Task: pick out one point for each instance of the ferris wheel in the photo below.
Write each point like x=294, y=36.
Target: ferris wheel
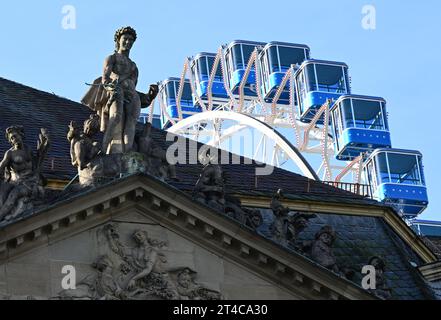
x=274, y=104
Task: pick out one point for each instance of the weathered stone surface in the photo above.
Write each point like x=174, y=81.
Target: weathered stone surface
x=114, y=96
x=21, y=183
x=189, y=271
x=359, y=239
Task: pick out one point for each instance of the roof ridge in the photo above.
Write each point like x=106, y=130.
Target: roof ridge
x=38, y=90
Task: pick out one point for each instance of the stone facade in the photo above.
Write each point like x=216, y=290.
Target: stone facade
x=215, y=257
x=39, y=273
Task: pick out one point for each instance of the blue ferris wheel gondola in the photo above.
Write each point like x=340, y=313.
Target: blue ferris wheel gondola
x=318, y=81
x=359, y=125
x=237, y=55
x=397, y=178
x=275, y=60
x=201, y=67
x=169, y=91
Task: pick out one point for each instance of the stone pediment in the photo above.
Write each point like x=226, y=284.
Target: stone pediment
x=211, y=249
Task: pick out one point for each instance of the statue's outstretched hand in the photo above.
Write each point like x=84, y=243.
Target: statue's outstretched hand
x=153, y=91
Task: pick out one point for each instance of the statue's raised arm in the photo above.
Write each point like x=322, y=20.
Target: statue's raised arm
x=114, y=96
x=43, y=145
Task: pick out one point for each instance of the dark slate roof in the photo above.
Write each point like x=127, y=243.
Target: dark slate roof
x=34, y=109
x=360, y=238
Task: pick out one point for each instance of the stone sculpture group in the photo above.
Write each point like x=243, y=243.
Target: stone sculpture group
x=139, y=271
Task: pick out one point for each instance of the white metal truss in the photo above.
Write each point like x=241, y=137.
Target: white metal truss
x=213, y=127
x=217, y=124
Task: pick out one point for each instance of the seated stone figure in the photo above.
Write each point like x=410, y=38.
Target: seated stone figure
x=321, y=249
x=210, y=188
x=156, y=157
x=382, y=289
x=86, y=153
x=287, y=225
x=20, y=180
x=83, y=149
x=249, y=217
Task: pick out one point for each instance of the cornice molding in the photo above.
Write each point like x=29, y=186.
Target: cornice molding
x=174, y=210
x=389, y=216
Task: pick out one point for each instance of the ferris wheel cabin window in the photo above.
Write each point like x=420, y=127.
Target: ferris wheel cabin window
x=330, y=78
x=238, y=60
x=404, y=169
x=218, y=75
x=289, y=56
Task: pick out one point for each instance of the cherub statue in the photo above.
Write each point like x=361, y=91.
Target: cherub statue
x=114, y=97
x=20, y=173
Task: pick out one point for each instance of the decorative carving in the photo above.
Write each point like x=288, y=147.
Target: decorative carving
x=137, y=272
x=156, y=157
x=210, y=190
x=114, y=96
x=287, y=225
x=249, y=217
x=100, y=286
x=83, y=150
x=210, y=187
x=188, y=289
x=86, y=154
x=382, y=290
x=21, y=183
x=94, y=166
x=321, y=249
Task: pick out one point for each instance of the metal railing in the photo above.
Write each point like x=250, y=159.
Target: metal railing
x=57, y=164
x=356, y=188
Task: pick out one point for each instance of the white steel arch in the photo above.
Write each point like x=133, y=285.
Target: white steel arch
x=310, y=138
x=245, y=121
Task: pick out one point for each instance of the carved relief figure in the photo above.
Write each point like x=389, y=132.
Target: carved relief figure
x=83, y=149
x=137, y=272
x=143, y=266
x=382, y=290
x=210, y=188
x=100, y=286
x=114, y=96
x=188, y=289
x=156, y=157
x=287, y=226
x=249, y=217
x=20, y=179
x=93, y=165
x=321, y=249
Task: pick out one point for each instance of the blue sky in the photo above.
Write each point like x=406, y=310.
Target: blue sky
x=399, y=60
